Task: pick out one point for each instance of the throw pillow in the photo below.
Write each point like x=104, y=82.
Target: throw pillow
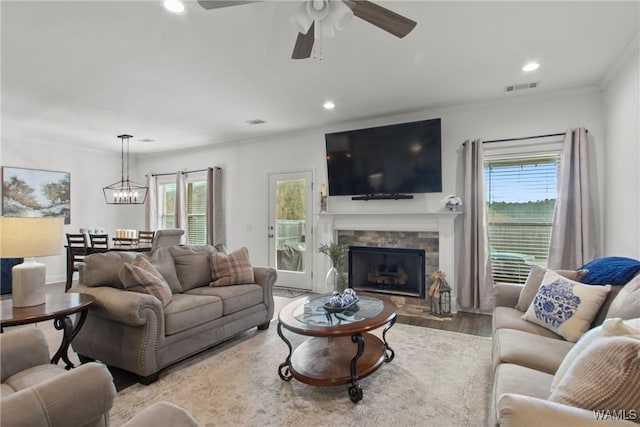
x=162, y=260
x=605, y=377
x=192, y=265
x=614, y=270
x=610, y=328
x=531, y=286
x=627, y=303
x=101, y=269
x=141, y=276
x=231, y=269
x=564, y=306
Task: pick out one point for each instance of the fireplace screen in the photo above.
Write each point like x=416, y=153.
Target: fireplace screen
x=387, y=270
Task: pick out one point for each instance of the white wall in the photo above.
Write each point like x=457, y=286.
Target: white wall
x=246, y=164
x=622, y=156
x=90, y=171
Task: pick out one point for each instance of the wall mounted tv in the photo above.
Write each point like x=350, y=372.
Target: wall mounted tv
x=385, y=161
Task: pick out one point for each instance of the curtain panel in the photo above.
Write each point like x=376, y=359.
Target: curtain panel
x=181, y=204
x=151, y=205
x=214, y=210
x=475, y=283
x=573, y=235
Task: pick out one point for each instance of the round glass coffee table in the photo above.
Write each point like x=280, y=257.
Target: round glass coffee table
x=341, y=350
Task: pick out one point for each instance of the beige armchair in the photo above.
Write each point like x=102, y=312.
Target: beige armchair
x=167, y=237
x=36, y=393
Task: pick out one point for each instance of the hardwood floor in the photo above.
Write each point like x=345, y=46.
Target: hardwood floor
x=462, y=322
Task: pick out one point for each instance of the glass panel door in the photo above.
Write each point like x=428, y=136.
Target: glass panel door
x=290, y=239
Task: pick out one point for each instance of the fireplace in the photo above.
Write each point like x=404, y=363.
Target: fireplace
x=395, y=271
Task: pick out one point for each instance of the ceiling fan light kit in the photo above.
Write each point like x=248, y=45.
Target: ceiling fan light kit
x=316, y=19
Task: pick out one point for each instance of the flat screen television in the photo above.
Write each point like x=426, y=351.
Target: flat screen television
x=386, y=160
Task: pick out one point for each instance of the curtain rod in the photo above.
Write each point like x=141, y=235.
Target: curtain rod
x=182, y=172
x=523, y=138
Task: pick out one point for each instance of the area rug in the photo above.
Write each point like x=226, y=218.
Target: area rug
x=288, y=292
x=437, y=378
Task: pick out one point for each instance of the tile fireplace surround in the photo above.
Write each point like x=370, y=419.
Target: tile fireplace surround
x=433, y=232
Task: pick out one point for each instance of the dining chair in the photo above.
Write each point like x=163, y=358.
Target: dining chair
x=145, y=237
x=99, y=241
x=76, y=250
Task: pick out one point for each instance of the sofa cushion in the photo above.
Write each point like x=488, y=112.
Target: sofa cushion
x=511, y=318
x=564, y=306
x=534, y=280
x=6, y=390
x=162, y=260
x=610, y=328
x=517, y=379
x=612, y=270
x=516, y=410
x=231, y=269
x=532, y=351
x=605, y=376
x=626, y=304
x=186, y=311
x=102, y=269
x=192, y=265
x=141, y=276
x=34, y=375
x=234, y=298
x=604, y=308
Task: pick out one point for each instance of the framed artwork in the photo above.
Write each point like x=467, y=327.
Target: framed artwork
x=34, y=192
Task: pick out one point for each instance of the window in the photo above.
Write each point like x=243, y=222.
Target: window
x=166, y=205
x=521, y=194
x=197, y=213
x=196, y=229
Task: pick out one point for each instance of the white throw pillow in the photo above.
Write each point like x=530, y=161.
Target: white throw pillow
x=610, y=328
x=564, y=306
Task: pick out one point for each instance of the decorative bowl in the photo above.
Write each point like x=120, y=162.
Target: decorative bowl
x=332, y=309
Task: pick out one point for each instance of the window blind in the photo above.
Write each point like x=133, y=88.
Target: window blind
x=520, y=193
x=196, y=212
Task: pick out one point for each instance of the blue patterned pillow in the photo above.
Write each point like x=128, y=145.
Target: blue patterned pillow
x=564, y=306
x=613, y=270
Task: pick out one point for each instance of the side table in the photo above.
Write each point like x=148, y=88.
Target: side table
x=56, y=307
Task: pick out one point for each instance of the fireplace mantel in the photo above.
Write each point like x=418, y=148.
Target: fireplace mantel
x=442, y=222
x=428, y=221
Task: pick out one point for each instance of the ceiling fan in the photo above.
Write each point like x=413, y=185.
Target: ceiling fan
x=318, y=18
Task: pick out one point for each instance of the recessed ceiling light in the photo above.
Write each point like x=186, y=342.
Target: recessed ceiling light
x=174, y=6
x=531, y=66
x=329, y=105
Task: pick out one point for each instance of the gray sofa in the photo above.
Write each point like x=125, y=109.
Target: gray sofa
x=135, y=332
x=526, y=357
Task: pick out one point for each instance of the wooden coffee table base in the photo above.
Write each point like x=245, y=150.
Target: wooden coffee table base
x=341, y=349
x=327, y=361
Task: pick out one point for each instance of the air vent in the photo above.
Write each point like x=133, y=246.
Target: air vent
x=256, y=122
x=521, y=86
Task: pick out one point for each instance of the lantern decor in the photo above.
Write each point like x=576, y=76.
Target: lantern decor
x=440, y=294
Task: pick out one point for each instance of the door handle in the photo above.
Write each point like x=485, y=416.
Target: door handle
x=270, y=236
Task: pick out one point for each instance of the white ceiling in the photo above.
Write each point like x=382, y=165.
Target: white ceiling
x=82, y=72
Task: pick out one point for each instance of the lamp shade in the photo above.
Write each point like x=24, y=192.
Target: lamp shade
x=30, y=237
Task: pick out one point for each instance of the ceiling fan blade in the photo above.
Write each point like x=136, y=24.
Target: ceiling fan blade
x=381, y=17
x=304, y=44
x=216, y=4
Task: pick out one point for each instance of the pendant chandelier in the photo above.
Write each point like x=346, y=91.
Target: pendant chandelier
x=125, y=191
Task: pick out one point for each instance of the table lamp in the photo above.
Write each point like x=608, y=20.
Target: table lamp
x=28, y=238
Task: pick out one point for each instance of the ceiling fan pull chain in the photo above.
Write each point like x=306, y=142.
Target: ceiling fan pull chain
x=317, y=49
